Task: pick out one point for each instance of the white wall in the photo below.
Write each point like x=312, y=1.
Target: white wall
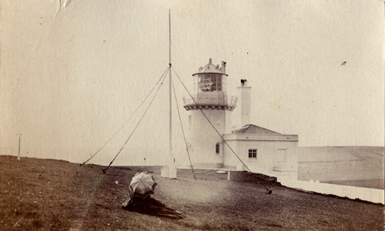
x=267, y=151
x=202, y=137
x=366, y=194
x=245, y=104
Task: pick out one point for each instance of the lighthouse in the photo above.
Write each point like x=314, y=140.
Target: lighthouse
x=209, y=107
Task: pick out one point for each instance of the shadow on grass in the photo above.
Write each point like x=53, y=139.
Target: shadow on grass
x=151, y=206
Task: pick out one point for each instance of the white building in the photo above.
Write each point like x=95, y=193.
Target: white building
x=260, y=149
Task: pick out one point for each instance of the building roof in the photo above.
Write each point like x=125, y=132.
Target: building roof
x=211, y=68
x=251, y=128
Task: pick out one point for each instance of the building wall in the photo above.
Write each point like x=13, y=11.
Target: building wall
x=203, y=137
x=275, y=154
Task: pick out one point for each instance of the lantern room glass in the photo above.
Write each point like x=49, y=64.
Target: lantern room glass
x=209, y=83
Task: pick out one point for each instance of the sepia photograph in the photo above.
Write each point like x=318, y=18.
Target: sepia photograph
x=192, y=115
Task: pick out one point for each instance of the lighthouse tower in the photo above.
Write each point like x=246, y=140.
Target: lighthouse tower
x=209, y=107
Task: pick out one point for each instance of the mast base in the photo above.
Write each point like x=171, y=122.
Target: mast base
x=168, y=171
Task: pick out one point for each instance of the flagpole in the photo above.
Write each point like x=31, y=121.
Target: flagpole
x=170, y=86
x=170, y=170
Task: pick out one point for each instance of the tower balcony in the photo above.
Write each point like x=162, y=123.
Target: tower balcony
x=210, y=100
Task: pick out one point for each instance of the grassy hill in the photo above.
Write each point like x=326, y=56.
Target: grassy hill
x=40, y=194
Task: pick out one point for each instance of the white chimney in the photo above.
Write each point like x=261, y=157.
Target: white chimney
x=245, y=102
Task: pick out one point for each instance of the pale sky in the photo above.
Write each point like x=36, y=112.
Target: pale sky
x=71, y=76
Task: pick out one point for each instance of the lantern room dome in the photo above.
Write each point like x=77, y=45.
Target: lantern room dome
x=211, y=68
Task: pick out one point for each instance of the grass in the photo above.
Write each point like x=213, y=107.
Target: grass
x=40, y=194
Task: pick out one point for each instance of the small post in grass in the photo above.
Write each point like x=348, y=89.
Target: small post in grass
x=18, y=153
x=228, y=175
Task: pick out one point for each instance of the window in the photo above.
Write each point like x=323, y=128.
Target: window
x=253, y=153
x=205, y=83
x=217, y=148
x=219, y=83
x=210, y=82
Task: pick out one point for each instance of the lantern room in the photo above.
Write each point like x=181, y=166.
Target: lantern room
x=210, y=89
x=210, y=78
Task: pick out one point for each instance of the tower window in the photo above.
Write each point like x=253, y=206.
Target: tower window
x=210, y=82
x=253, y=153
x=217, y=148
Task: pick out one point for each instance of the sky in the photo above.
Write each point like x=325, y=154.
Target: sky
x=73, y=72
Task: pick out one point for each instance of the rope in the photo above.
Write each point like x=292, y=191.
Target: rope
x=164, y=73
x=152, y=100
x=181, y=125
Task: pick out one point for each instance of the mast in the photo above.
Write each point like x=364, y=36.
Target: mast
x=170, y=84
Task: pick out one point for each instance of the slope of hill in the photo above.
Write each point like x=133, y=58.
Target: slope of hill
x=40, y=194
